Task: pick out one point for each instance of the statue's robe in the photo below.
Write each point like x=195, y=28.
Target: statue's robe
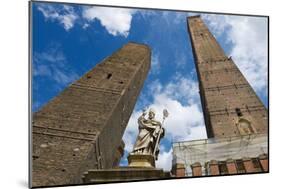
x=148, y=132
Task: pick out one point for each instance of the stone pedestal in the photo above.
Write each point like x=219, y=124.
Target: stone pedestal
x=123, y=174
x=141, y=160
x=141, y=167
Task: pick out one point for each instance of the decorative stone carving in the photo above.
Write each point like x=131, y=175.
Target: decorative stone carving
x=245, y=127
x=146, y=148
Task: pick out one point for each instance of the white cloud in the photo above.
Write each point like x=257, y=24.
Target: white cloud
x=131, y=132
x=165, y=160
x=185, y=122
x=182, y=88
x=65, y=14
x=86, y=25
x=182, y=119
x=117, y=21
x=52, y=64
x=248, y=37
x=155, y=63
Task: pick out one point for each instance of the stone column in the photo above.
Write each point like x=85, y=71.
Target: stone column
x=263, y=158
x=231, y=167
x=196, y=169
x=214, y=167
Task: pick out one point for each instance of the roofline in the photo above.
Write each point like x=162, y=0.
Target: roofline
x=141, y=44
x=255, y=135
x=195, y=16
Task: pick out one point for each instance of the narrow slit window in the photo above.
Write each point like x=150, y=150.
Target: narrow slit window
x=238, y=112
x=109, y=75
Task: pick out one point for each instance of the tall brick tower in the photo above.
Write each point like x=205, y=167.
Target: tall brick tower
x=230, y=105
x=236, y=120
x=82, y=127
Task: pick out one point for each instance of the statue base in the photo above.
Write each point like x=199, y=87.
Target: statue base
x=141, y=160
x=141, y=167
x=123, y=174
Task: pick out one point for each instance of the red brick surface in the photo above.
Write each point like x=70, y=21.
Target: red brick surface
x=249, y=166
x=264, y=162
x=214, y=168
x=178, y=170
x=223, y=88
x=231, y=167
x=196, y=169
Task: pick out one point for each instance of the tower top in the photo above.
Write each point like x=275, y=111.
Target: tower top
x=192, y=17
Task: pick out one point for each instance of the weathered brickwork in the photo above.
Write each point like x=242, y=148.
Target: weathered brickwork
x=228, y=167
x=231, y=167
x=82, y=127
x=263, y=160
x=249, y=166
x=119, y=154
x=196, y=169
x=235, y=118
x=178, y=170
x=230, y=105
x=213, y=167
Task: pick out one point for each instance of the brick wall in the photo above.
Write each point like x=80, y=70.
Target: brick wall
x=82, y=127
x=178, y=170
x=226, y=96
x=196, y=169
x=263, y=158
x=231, y=167
x=214, y=167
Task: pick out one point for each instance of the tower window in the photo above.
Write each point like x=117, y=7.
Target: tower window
x=34, y=157
x=226, y=110
x=109, y=75
x=248, y=109
x=238, y=112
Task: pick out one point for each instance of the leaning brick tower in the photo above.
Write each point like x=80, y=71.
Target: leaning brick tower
x=230, y=105
x=236, y=120
x=82, y=127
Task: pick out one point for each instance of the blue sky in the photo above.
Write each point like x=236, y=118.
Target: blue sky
x=68, y=40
